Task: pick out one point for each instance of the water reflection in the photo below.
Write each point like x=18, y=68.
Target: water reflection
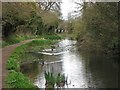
x=70, y=65
x=31, y=69
x=73, y=68
x=83, y=69
x=101, y=70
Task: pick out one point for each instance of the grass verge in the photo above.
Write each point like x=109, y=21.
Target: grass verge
x=18, y=38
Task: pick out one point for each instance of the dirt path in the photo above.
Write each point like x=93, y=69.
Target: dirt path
x=6, y=52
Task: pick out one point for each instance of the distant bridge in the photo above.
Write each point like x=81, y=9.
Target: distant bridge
x=60, y=30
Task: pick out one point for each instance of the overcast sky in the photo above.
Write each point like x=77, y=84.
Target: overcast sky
x=67, y=7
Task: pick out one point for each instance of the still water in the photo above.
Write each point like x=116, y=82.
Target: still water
x=83, y=70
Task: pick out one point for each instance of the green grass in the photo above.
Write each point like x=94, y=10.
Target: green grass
x=13, y=39
x=16, y=57
x=52, y=37
x=38, y=45
x=10, y=40
x=41, y=42
x=15, y=78
x=18, y=80
x=13, y=64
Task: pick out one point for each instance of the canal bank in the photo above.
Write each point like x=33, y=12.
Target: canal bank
x=15, y=78
x=82, y=69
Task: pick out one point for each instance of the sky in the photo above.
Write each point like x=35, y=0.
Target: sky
x=67, y=7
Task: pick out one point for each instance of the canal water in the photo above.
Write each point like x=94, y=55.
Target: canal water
x=83, y=70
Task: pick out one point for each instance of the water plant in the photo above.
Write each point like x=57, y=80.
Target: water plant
x=60, y=80
x=53, y=80
x=50, y=80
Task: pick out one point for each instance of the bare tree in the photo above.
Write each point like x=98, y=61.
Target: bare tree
x=49, y=5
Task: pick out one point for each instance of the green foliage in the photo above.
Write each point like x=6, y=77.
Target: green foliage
x=15, y=78
x=52, y=37
x=12, y=64
x=41, y=42
x=14, y=61
x=19, y=19
x=35, y=24
x=53, y=80
x=60, y=78
x=18, y=80
x=51, y=21
x=98, y=26
x=13, y=39
x=11, y=18
x=50, y=78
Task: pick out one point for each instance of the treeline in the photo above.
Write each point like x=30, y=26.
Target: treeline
x=97, y=27
x=27, y=18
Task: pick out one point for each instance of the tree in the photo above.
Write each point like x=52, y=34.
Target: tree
x=14, y=15
x=98, y=26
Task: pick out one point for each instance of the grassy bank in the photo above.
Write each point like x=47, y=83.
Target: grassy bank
x=15, y=78
x=13, y=39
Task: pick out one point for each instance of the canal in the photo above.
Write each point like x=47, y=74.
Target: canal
x=83, y=70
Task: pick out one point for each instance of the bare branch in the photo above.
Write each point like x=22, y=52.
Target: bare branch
x=78, y=3
x=49, y=5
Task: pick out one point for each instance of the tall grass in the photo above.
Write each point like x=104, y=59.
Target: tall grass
x=51, y=80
